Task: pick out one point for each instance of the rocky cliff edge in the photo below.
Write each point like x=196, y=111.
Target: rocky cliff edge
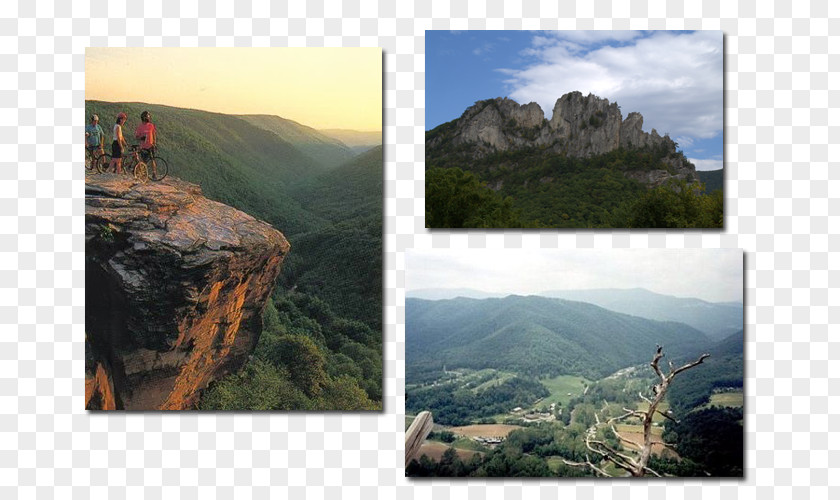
x=175, y=287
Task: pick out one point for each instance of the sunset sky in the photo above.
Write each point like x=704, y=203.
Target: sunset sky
x=319, y=87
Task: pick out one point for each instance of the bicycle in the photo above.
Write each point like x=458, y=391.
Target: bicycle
x=130, y=163
x=93, y=158
x=158, y=168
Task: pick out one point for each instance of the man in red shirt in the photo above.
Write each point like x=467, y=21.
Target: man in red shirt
x=146, y=132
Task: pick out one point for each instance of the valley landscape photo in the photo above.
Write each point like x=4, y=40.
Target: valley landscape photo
x=250, y=277
x=574, y=129
x=575, y=363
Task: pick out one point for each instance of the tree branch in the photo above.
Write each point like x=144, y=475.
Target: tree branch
x=669, y=417
x=587, y=464
x=622, y=438
x=690, y=365
x=620, y=417
x=655, y=363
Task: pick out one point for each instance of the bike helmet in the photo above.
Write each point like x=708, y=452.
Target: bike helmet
x=145, y=116
x=121, y=116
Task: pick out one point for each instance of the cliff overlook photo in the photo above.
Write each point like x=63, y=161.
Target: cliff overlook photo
x=233, y=229
x=574, y=363
x=574, y=129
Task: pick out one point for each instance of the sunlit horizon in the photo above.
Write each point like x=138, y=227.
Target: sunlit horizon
x=323, y=88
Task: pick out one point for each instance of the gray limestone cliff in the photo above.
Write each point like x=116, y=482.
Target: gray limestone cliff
x=580, y=126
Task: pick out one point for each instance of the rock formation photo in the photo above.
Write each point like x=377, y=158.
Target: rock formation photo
x=547, y=129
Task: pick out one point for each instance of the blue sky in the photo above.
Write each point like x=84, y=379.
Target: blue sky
x=674, y=78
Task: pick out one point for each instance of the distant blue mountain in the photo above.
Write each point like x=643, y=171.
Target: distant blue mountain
x=716, y=319
x=451, y=293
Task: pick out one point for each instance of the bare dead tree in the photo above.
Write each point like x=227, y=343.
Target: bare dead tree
x=636, y=465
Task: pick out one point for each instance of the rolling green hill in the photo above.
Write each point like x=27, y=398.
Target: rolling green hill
x=717, y=320
x=234, y=161
x=326, y=150
x=723, y=369
x=712, y=178
x=357, y=140
x=535, y=336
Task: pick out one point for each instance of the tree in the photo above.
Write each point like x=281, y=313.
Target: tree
x=259, y=386
x=344, y=394
x=457, y=199
x=302, y=358
x=637, y=466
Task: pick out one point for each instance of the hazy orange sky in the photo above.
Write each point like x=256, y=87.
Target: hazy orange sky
x=318, y=87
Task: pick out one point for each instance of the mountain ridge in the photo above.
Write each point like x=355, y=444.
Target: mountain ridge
x=715, y=319
x=327, y=150
x=580, y=126
x=559, y=337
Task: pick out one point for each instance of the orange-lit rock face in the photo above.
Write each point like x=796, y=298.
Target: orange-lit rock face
x=175, y=287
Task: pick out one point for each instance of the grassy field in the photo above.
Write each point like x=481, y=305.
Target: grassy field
x=733, y=399
x=486, y=430
x=465, y=443
x=499, y=378
x=635, y=433
x=663, y=407
x=561, y=386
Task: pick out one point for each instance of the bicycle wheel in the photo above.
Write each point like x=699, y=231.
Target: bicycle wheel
x=98, y=158
x=141, y=172
x=158, y=168
x=103, y=163
x=128, y=164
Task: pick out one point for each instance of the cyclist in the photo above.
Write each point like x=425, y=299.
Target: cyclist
x=146, y=132
x=119, y=143
x=94, y=136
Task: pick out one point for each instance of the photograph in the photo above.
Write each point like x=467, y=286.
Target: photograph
x=574, y=363
x=574, y=129
x=233, y=229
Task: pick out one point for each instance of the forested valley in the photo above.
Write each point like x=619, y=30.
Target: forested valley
x=511, y=412
x=321, y=344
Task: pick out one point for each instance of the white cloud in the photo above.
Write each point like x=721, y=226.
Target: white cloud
x=674, y=79
x=590, y=37
x=707, y=164
x=710, y=274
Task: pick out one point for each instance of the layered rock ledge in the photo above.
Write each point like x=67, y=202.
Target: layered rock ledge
x=175, y=288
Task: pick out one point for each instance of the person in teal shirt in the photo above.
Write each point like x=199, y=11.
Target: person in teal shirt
x=94, y=136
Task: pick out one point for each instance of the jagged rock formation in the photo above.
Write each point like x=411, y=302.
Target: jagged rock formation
x=175, y=287
x=580, y=126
